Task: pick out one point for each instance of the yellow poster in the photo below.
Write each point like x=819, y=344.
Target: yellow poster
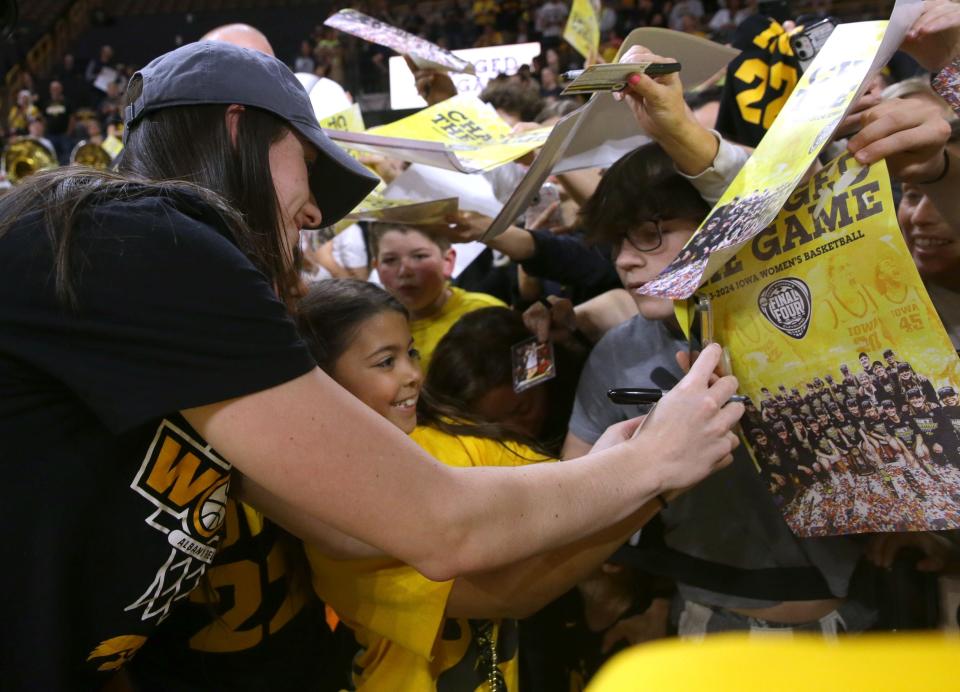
x=806, y=122
x=376, y=207
x=853, y=418
x=462, y=133
x=583, y=28
x=348, y=120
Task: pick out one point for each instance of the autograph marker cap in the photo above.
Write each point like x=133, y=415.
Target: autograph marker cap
x=213, y=72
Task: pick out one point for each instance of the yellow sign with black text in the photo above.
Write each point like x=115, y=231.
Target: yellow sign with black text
x=583, y=28
x=853, y=418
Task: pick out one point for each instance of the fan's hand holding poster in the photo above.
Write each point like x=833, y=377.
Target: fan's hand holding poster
x=854, y=418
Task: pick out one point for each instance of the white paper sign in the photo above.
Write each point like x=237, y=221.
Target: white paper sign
x=489, y=63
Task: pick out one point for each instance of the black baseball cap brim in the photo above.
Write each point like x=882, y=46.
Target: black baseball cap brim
x=213, y=72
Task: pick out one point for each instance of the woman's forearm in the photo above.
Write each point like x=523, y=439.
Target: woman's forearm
x=322, y=452
x=521, y=589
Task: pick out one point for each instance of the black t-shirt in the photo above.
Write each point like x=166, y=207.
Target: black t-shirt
x=113, y=506
x=905, y=430
x=255, y=623
x=57, y=116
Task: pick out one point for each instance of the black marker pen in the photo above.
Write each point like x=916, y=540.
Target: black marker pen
x=641, y=396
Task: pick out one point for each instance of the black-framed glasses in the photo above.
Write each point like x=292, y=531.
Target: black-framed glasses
x=644, y=237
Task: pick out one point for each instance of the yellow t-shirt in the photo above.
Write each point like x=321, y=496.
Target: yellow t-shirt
x=398, y=614
x=428, y=331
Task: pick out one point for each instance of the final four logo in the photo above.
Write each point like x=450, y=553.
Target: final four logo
x=786, y=303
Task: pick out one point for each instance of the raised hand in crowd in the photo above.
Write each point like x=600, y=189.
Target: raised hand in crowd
x=433, y=86
x=468, y=226
x=913, y=140
x=385, y=167
x=658, y=105
x=910, y=136
x=934, y=39
x=592, y=318
x=939, y=553
x=552, y=319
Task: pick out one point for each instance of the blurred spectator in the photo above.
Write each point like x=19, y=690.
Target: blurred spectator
x=646, y=13
x=304, y=61
x=489, y=36
x=608, y=18
x=113, y=142
x=96, y=65
x=510, y=20
x=550, y=20
x=726, y=20
x=89, y=130
x=21, y=113
x=484, y=15
x=37, y=130
x=112, y=103
x=610, y=47
x=690, y=24
x=549, y=83
x=75, y=88
x=684, y=7
x=453, y=26
x=57, y=112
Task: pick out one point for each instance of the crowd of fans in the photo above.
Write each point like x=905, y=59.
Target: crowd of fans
x=454, y=24
x=74, y=104
x=435, y=354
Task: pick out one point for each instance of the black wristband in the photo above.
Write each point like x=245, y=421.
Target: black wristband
x=943, y=173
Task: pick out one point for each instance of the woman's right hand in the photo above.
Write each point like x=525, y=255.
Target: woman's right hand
x=690, y=429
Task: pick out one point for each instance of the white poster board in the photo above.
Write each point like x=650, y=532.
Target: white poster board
x=489, y=63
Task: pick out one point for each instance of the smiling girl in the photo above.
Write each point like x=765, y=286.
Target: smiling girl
x=417, y=633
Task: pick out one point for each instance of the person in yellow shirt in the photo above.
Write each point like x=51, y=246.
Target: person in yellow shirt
x=415, y=268
x=21, y=113
x=418, y=634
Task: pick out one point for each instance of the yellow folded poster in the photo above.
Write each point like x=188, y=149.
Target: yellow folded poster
x=583, y=28
x=348, y=120
x=853, y=419
x=462, y=133
x=376, y=207
x=804, y=125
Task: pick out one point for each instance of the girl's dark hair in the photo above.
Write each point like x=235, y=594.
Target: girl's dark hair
x=470, y=360
x=182, y=153
x=641, y=186
x=330, y=312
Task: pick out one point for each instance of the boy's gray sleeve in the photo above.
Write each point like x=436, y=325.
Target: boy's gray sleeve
x=713, y=181
x=593, y=412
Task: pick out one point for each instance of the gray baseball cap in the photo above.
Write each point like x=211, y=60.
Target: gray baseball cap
x=211, y=72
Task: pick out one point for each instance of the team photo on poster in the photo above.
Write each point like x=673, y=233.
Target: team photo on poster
x=853, y=417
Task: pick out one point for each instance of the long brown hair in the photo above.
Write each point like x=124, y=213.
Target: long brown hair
x=471, y=359
x=194, y=144
x=184, y=154
x=64, y=195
